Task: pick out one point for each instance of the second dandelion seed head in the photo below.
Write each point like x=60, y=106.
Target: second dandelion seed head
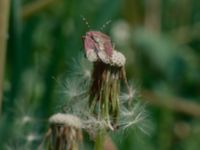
x=65, y=131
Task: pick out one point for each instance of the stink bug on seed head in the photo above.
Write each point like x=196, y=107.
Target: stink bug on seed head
x=97, y=45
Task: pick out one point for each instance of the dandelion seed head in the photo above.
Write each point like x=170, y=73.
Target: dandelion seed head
x=79, y=96
x=66, y=126
x=66, y=119
x=118, y=59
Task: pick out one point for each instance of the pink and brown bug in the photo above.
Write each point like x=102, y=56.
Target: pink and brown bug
x=98, y=46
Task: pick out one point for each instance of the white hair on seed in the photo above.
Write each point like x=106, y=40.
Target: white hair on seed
x=118, y=59
x=66, y=119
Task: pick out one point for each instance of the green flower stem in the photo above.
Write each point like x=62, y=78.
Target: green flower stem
x=115, y=102
x=74, y=146
x=99, y=142
x=107, y=91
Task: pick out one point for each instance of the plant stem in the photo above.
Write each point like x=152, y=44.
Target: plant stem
x=4, y=17
x=74, y=146
x=99, y=142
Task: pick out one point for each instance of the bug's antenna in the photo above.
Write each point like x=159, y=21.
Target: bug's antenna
x=86, y=22
x=105, y=24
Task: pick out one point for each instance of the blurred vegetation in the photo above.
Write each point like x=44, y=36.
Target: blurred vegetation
x=161, y=40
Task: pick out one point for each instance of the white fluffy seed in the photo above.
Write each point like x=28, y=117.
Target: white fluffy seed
x=118, y=59
x=66, y=119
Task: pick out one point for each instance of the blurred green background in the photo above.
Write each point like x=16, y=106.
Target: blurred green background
x=160, y=39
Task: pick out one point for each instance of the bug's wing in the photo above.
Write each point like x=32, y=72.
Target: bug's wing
x=108, y=47
x=89, y=43
x=103, y=57
x=98, y=45
x=106, y=41
x=90, y=49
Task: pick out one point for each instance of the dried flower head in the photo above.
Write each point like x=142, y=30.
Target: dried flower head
x=98, y=104
x=104, y=91
x=103, y=96
x=66, y=120
x=118, y=59
x=108, y=71
x=65, y=132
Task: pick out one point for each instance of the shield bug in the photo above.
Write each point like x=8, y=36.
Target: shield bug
x=98, y=46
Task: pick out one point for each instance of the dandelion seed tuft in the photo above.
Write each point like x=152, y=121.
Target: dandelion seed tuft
x=128, y=96
x=134, y=118
x=118, y=59
x=66, y=119
x=81, y=68
x=65, y=131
